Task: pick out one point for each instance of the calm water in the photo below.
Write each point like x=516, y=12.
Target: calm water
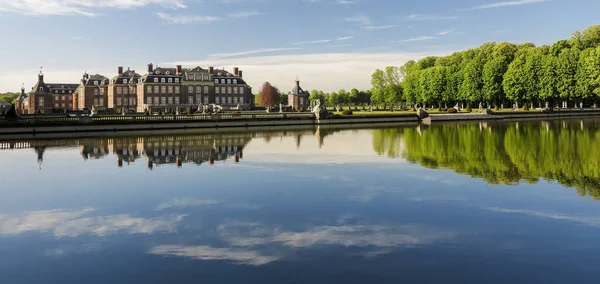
x=450, y=203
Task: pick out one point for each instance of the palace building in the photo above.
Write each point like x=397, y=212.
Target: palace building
x=298, y=98
x=160, y=89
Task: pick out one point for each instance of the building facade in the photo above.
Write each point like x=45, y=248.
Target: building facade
x=122, y=91
x=298, y=98
x=92, y=91
x=47, y=98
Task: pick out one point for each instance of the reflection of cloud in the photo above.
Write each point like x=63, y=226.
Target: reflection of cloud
x=593, y=221
x=73, y=249
x=254, y=234
x=70, y=223
x=186, y=202
x=209, y=253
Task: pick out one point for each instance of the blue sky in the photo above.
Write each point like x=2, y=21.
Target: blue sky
x=328, y=44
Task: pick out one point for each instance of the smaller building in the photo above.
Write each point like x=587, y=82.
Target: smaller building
x=298, y=98
x=92, y=91
x=47, y=97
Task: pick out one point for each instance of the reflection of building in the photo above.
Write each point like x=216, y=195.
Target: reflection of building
x=298, y=98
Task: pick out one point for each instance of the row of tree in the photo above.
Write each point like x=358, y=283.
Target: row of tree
x=9, y=97
x=564, y=73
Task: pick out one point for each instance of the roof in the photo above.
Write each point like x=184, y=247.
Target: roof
x=128, y=75
x=100, y=79
x=297, y=90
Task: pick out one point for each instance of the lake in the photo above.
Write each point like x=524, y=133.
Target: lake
x=496, y=202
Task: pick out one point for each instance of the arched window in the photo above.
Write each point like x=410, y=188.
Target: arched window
x=235, y=81
x=155, y=80
x=162, y=80
x=170, y=80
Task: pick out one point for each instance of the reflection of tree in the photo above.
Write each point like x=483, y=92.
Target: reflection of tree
x=388, y=142
x=508, y=154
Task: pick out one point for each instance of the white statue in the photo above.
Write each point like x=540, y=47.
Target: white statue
x=317, y=107
x=280, y=108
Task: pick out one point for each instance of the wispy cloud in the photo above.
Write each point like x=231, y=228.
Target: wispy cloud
x=364, y=20
x=505, y=4
x=345, y=38
x=72, y=7
x=446, y=32
x=312, y=42
x=237, y=255
x=379, y=27
x=244, y=14
x=186, y=202
x=592, y=221
x=345, y=2
x=421, y=38
x=186, y=19
x=425, y=17
x=338, y=45
x=250, y=52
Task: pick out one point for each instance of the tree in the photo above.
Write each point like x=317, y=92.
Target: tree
x=471, y=89
x=317, y=95
x=549, y=80
x=493, y=73
x=588, y=74
x=566, y=71
x=269, y=95
x=515, y=84
x=283, y=99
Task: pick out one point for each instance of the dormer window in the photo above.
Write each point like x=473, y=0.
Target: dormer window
x=228, y=81
x=96, y=83
x=155, y=80
x=157, y=72
x=176, y=80
x=170, y=80
x=216, y=81
x=235, y=81
x=205, y=77
x=162, y=80
x=167, y=72
x=222, y=81
x=63, y=91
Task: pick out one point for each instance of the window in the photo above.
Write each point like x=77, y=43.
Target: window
x=96, y=101
x=217, y=100
x=170, y=89
x=223, y=90
x=198, y=89
x=96, y=91
x=176, y=80
x=241, y=100
x=162, y=80
x=205, y=77
x=119, y=90
x=190, y=89
x=155, y=80
x=133, y=91
x=101, y=101
x=163, y=100
x=131, y=101
x=222, y=81
x=63, y=105
x=56, y=105
x=197, y=77
x=206, y=100
x=167, y=72
x=118, y=101
x=229, y=100
x=235, y=81
x=216, y=81
x=149, y=90
x=217, y=90
x=176, y=100
x=170, y=100
x=56, y=92
x=190, y=77
x=102, y=92
x=198, y=97
x=149, y=101
x=125, y=91
x=228, y=81
x=190, y=100
x=96, y=83
x=124, y=81
x=229, y=90
x=235, y=100
x=163, y=89
x=63, y=91
x=235, y=90
x=156, y=102
x=170, y=80
x=63, y=98
x=55, y=97
x=70, y=91
x=205, y=89
x=156, y=90
x=176, y=89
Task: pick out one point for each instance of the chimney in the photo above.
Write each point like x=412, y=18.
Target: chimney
x=150, y=68
x=120, y=70
x=210, y=69
x=298, y=83
x=235, y=71
x=178, y=70
x=240, y=73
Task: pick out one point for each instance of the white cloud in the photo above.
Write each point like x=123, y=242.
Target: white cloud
x=446, y=32
x=364, y=20
x=249, y=52
x=379, y=27
x=592, y=221
x=313, y=42
x=425, y=17
x=78, y=7
x=505, y=4
x=185, y=19
x=345, y=38
x=186, y=202
x=244, y=14
x=240, y=256
x=421, y=38
x=73, y=223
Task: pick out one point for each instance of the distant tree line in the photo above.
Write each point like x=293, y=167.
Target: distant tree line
x=564, y=74
x=9, y=97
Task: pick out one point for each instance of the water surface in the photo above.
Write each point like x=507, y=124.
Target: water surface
x=501, y=202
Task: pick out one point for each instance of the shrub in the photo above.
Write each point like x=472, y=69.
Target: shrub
x=452, y=110
x=347, y=112
x=300, y=110
x=236, y=112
